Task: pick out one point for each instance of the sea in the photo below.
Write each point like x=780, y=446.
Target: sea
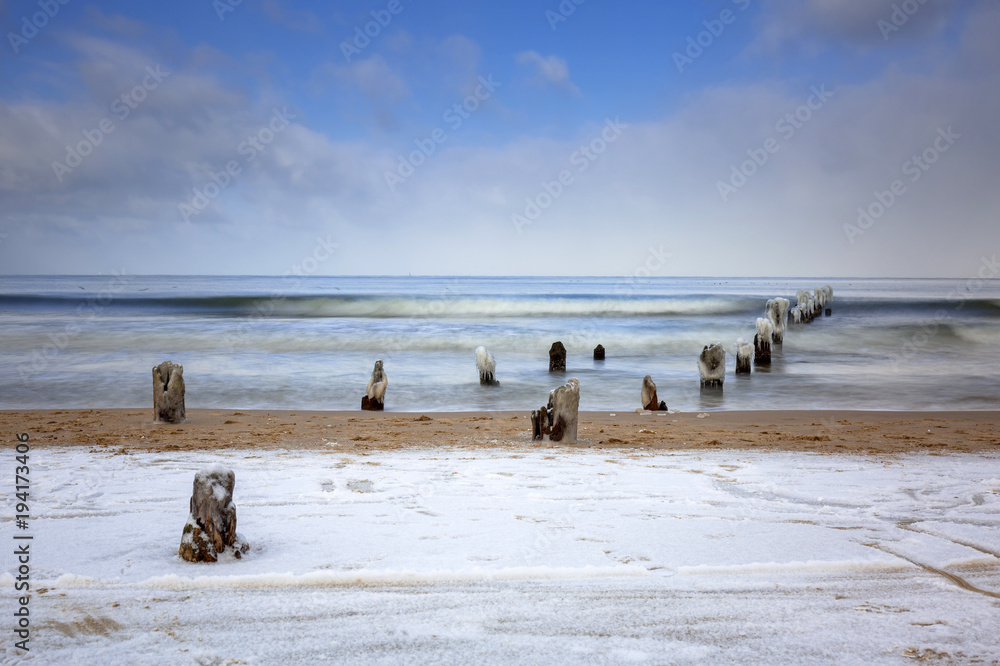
x=311, y=342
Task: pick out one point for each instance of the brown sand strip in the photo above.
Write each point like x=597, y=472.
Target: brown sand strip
x=862, y=432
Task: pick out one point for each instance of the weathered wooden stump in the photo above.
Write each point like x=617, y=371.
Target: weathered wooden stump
x=648, y=394
x=712, y=366
x=374, y=398
x=540, y=420
x=486, y=363
x=565, y=402
x=557, y=357
x=762, y=342
x=210, y=529
x=168, y=393
x=599, y=353
x=829, y=312
x=557, y=421
x=744, y=356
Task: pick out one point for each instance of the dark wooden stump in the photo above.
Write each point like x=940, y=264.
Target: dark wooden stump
x=371, y=404
x=557, y=357
x=761, y=350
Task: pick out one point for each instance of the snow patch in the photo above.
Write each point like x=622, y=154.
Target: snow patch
x=389, y=577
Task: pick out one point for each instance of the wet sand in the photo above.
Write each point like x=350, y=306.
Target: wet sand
x=860, y=432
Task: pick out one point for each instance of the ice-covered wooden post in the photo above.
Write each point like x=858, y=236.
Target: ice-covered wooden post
x=648, y=396
x=805, y=307
x=599, y=353
x=762, y=342
x=712, y=366
x=557, y=357
x=210, y=529
x=486, y=363
x=565, y=402
x=168, y=393
x=558, y=420
x=374, y=398
x=744, y=355
x=777, y=311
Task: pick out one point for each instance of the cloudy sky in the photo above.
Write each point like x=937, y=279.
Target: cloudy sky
x=527, y=137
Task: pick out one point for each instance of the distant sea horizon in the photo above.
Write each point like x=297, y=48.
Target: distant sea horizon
x=276, y=342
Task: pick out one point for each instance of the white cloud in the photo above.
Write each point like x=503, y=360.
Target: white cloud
x=812, y=26
x=375, y=79
x=299, y=21
x=549, y=71
x=655, y=185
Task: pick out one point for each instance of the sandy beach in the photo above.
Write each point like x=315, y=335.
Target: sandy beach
x=864, y=432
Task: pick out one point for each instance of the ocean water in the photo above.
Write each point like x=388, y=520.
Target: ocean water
x=310, y=343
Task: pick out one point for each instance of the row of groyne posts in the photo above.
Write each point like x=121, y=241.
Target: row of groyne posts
x=557, y=420
x=770, y=332
x=210, y=529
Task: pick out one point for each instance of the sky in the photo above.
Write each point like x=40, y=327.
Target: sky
x=840, y=138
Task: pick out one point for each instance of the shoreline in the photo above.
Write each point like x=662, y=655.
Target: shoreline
x=819, y=431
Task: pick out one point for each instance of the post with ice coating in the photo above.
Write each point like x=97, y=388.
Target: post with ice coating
x=565, y=402
x=558, y=420
x=168, y=393
x=777, y=311
x=210, y=529
x=744, y=355
x=648, y=396
x=712, y=366
x=557, y=357
x=762, y=342
x=486, y=363
x=374, y=398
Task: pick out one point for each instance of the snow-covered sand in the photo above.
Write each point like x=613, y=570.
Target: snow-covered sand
x=525, y=554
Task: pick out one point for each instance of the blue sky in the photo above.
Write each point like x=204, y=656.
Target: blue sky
x=587, y=148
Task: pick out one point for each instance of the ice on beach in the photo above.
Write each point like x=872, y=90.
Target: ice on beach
x=524, y=554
